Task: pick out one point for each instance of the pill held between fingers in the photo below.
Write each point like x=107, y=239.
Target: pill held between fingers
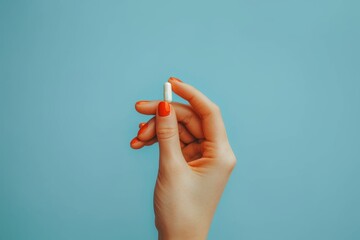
x=167, y=92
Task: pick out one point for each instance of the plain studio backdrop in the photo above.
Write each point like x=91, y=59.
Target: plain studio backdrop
x=285, y=74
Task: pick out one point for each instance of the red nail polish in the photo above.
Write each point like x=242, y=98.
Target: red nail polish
x=141, y=125
x=164, y=109
x=135, y=140
x=175, y=79
x=142, y=129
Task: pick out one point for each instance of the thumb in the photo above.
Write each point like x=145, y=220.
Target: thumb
x=168, y=135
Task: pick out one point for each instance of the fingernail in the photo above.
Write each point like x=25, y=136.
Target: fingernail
x=164, y=109
x=135, y=140
x=175, y=79
x=141, y=102
x=141, y=125
x=142, y=129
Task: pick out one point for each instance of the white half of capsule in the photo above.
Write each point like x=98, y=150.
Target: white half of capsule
x=167, y=92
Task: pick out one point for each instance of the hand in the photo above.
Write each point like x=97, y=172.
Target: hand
x=195, y=161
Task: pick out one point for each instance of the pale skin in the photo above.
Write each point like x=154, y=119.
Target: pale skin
x=195, y=161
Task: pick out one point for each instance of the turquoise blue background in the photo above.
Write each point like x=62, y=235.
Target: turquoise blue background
x=285, y=73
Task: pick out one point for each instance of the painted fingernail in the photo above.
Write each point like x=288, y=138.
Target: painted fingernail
x=164, y=109
x=141, y=125
x=175, y=79
x=135, y=140
x=141, y=102
x=142, y=129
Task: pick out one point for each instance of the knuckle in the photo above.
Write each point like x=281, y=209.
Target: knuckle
x=213, y=109
x=228, y=160
x=231, y=163
x=216, y=108
x=166, y=133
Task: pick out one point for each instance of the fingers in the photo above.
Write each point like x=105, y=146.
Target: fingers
x=150, y=142
x=146, y=135
x=168, y=136
x=185, y=135
x=213, y=126
x=137, y=144
x=147, y=132
x=184, y=115
x=192, y=151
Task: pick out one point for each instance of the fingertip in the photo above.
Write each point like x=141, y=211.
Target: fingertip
x=135, y=143
x=146, y=107
x=174, y=80
x=163, y=109
x=142, y=129
x=140, y=104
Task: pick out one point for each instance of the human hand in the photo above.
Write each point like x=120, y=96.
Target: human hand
x=195, y=161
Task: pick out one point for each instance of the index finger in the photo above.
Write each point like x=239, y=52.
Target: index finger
x=209, y=112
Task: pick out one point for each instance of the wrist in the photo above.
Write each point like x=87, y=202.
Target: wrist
x=189, y=234
x=182, y=237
